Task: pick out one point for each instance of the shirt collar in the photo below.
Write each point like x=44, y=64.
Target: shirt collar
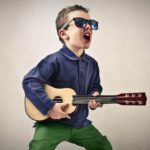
x=69, y=54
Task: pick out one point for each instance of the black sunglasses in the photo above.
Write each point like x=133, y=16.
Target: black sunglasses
x=81, y=23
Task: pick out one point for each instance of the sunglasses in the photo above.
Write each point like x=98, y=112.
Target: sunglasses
x=81, y=23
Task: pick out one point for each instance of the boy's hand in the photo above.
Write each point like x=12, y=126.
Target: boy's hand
x=93, y=104
x=56, y=112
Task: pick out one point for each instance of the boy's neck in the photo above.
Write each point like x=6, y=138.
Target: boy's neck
x=76, y=51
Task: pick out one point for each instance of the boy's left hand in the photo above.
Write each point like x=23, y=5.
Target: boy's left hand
x=93, y=104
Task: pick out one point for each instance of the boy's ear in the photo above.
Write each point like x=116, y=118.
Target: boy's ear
x=63, y=34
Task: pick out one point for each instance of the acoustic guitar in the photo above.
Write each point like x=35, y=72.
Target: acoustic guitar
x=67, y=95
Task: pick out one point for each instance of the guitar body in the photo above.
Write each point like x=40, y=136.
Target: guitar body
x=66, y=94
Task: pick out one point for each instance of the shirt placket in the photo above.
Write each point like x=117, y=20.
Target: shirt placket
x=82, y=77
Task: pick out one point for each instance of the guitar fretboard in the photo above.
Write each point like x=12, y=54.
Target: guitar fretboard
x=85, y=99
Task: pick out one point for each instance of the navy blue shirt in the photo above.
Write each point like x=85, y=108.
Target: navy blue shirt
x=63, y=69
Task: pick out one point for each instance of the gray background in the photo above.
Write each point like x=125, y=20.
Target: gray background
x=121, y=46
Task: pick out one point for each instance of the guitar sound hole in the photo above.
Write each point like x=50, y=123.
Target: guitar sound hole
x=57, y=99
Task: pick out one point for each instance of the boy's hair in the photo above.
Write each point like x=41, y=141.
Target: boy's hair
x=62, y=16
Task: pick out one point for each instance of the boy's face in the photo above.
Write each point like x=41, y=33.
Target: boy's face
x=78, y=38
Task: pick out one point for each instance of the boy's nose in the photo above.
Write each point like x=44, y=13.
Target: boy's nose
x=88, y=26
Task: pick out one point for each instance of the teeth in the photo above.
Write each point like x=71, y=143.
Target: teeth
x=87, y=34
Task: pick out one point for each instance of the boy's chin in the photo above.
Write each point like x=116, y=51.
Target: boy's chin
x=86, y=46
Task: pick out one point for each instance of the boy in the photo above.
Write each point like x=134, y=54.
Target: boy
x=69, y=67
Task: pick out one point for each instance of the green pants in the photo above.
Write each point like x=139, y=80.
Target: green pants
x=48, y=135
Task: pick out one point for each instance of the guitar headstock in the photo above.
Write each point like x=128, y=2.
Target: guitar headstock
x=131, y=98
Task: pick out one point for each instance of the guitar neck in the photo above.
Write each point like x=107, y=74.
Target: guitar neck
x=85, y=99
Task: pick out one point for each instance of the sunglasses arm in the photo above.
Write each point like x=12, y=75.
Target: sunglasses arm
x=66, y=24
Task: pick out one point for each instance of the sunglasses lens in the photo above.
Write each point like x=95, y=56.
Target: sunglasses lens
x=81, y=23
x=93, y=24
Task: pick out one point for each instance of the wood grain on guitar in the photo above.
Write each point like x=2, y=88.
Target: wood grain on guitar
x=67, y=95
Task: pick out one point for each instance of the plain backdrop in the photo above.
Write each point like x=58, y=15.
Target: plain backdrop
x=121, y=46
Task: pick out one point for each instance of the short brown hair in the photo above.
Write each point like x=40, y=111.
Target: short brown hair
x=62, y=16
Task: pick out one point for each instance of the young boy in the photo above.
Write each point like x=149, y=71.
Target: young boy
x=69, y=67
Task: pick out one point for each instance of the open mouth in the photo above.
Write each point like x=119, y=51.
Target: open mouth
x=87, y=36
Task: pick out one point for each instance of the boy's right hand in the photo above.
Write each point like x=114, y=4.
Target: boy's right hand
x=56, y=112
